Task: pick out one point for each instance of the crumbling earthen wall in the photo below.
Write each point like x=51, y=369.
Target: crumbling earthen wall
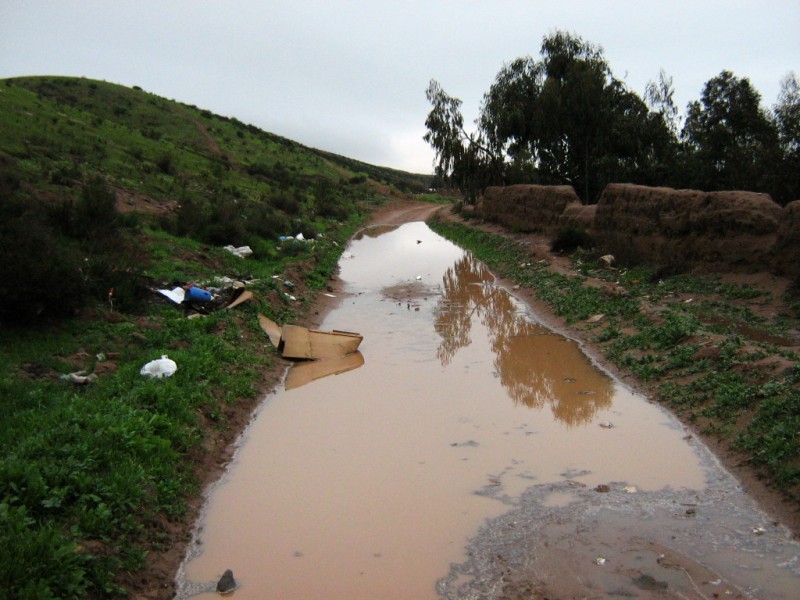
x=527, y=208
x=787, y=246
x=685, y=229
x=680, y=229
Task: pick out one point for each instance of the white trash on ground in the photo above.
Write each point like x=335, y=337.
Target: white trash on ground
x=241, y=251
x=161, y=367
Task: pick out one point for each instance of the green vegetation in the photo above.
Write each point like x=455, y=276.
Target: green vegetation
x=695, y=340
x=107, y=193
x=565, y=119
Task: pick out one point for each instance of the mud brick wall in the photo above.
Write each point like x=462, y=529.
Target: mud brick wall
x=528, y=208
x=787, y=247
x=719, y=231
x=578, y=216
x=681, y=229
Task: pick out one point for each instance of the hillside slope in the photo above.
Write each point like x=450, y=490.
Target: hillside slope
x=106, y=195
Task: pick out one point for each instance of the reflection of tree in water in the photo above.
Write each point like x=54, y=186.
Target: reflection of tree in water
x=536, y=367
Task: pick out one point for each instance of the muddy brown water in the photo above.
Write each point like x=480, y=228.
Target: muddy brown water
x=473, y=454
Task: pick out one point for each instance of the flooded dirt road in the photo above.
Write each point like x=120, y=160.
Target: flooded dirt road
x=473, y=453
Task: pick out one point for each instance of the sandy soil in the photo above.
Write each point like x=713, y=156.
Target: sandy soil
x=156, y=581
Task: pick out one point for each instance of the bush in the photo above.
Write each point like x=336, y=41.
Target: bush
x=569, y=239
x=39, y=270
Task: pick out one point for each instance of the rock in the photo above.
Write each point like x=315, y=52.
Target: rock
x=226, y=583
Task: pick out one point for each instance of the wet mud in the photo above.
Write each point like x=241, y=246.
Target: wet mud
x=472, y=453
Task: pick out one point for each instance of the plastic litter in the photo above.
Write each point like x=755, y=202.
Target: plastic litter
x=79, y=377
x=176, y=294
x=196, y=294
x=606, y=425
x=161, y=367
x=241, y=251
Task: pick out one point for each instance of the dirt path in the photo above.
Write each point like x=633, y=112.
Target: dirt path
x=156, y=582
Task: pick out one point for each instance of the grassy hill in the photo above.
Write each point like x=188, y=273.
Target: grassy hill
x=107, y=193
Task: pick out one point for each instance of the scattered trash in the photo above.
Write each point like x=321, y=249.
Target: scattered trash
x=176, y=294
x=245, y=296
x=294, y=341
x=595, y=318
x=608, y=259
x=161, y=367
x=759, y=530
x=606, y=424
x=241, y=251
x=329, y=295
x=631, y=489
x=196, y=294
x=600, y=561
x=299, y=237
x=419, y=277
x=192, y=293
x=79, y=377
x=226, y=583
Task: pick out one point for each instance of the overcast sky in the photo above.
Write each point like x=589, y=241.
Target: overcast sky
x=349, y=76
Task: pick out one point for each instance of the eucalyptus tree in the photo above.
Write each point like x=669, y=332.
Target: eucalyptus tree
x=559, y=119
x=461, y=157
x=787, y=120
x=734, y=143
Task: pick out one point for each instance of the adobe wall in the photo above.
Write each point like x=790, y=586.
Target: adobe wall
x=682, y=229
x=685, y=229
x=787, y=246
x=528, y=208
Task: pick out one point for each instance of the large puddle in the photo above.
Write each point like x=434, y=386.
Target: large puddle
x=369, y=484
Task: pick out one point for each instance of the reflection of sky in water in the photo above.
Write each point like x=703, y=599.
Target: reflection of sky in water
x=399, y=258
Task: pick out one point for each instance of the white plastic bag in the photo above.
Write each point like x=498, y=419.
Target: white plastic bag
x=161, y=367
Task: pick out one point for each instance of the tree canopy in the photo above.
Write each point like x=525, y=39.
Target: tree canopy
x=563, y=118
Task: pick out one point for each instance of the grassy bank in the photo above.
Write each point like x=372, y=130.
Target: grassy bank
x=107, y=193
x=92, y=474
x=699, y=343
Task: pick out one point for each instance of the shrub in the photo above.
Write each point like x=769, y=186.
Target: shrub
x=40, y=271
x=570, y=238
